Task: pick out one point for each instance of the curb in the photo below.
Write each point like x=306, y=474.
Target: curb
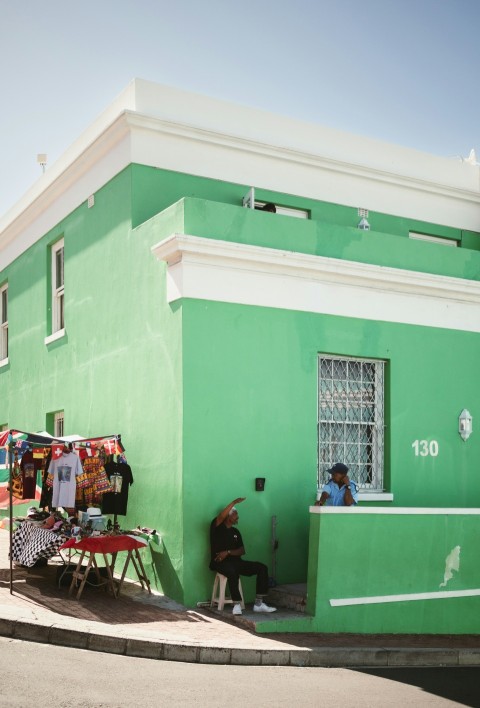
x=327, y=657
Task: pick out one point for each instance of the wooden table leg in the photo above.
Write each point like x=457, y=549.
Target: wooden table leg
x=76, y=573
x=124, y=571
x=110, y=582
x=83, y=576
x=141, y=576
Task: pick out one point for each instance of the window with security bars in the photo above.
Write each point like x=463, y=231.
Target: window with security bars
x=351, y=419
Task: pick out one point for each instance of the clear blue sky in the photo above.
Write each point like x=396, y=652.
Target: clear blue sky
x=405, y=71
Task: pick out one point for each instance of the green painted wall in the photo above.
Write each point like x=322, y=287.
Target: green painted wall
x=119, y=367
x=362, y=555
x=199, y=217
x=208, y=396
x=250, y=409
x=154, y=189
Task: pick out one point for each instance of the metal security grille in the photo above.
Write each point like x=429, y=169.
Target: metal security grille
x=351, y=418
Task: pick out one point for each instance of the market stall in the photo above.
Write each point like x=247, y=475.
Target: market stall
x=79, y=477
x=107, y=545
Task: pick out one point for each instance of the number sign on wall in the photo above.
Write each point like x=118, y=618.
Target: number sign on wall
x=425, y=448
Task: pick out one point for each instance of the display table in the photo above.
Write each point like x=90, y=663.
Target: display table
x=107, y=545
x=30, y=542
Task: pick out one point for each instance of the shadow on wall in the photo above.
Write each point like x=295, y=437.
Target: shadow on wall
x=165, y=574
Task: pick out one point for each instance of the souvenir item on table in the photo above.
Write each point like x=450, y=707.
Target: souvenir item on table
x=96, y=519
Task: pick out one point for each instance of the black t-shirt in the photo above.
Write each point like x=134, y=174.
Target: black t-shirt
x=117, y=503
x=223, y=538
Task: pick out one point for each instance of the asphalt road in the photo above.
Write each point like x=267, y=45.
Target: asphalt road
x=45, y=675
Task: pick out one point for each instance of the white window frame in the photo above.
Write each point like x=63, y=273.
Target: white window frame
x=58, y=290
x=286, y=211
x=250, y=202
x=330, y=451
x=4, y=325
x=433, y=239
x=58, y=424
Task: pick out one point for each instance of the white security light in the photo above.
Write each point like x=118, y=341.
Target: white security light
x=363, y=224
x=465, y=424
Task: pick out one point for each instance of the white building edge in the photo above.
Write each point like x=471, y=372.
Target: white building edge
x=168, y=128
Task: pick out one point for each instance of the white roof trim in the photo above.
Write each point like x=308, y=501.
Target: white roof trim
x=175, y=130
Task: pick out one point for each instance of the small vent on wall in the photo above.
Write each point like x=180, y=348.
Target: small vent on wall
x=363, y=213
x=91, y=201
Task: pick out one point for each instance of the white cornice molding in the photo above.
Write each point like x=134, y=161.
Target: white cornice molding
x=178, y=247
x=312, y=159
x=223, y=271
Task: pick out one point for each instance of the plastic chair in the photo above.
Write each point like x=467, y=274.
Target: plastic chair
x=218, y=594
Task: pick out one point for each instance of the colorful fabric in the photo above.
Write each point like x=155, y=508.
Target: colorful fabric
x=94, y=482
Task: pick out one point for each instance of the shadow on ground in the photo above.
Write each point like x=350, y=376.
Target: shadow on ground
x=133, y=606
x=459, y=684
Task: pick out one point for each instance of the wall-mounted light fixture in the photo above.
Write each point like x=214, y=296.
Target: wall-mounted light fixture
x=42, y=160
x=465, y=424
x=363, y=224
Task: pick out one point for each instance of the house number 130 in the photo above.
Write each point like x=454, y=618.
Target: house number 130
x=423, y=448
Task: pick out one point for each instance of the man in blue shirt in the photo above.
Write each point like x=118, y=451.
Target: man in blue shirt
x=339, y=490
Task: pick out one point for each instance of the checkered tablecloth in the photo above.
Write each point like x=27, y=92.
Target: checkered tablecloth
x=29, y=543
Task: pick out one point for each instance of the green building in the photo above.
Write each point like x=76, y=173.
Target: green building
x=145, y=292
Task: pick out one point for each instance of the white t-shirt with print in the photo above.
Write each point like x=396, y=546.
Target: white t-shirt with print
x=65, y=471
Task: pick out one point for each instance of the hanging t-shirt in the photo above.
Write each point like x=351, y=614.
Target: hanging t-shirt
x=65, y=471
x=117, y=503
x=30, y=464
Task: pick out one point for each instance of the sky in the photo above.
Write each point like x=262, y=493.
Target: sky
x=404, y=71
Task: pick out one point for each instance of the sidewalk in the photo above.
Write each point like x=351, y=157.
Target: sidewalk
x=156, y=627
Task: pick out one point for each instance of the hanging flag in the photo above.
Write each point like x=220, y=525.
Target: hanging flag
x=57, y=451
x=4, y=437
x=110, y=446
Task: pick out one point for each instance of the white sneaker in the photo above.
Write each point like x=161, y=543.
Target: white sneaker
x=237, y=609
x=264, y=608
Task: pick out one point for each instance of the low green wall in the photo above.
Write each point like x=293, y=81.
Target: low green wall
x=367, y=568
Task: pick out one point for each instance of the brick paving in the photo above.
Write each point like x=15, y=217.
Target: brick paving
x=135, y=614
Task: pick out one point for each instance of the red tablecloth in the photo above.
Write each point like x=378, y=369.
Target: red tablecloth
x=106, y=544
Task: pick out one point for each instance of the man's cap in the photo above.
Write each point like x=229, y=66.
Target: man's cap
x=338, y=467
